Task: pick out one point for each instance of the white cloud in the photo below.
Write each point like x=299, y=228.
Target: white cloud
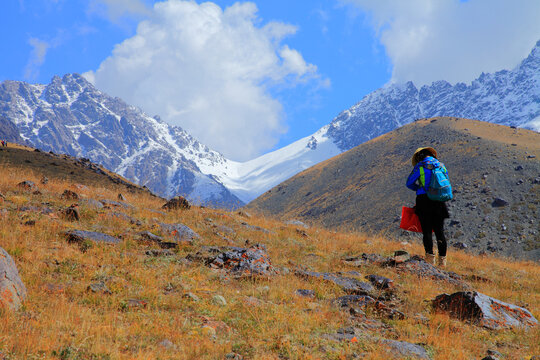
x=37, y=57
x=454, y=40
x=208, y=70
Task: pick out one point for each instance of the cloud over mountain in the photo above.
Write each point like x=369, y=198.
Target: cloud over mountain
x=429, y=40
x=208, y=70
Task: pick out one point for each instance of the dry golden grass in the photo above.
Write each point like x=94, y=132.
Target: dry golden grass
x=263, y=319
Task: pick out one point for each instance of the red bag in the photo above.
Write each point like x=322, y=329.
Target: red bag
x=409, y=220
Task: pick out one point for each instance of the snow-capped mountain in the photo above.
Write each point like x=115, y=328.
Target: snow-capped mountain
x=506, y=97
x=71, y=116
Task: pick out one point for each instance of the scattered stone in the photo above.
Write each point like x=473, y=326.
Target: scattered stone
x=518, y=168
x=241, y=262
x=44, y=180
x=177, y=203
x=403, y=349
x=417, y=265
x=110, y=203
x=126, y=217
x=380, y=282
x=234, y=356
x=484, y=310
x=460, y=245
x=498, y=202
x=99, y=287
x=490, y=357
x=305, y=293
x=167, y=344
x=243, y=213
x=148, y=236
x=224, y=229
x=121, y=197
x=359, y=302
x=208, y=331
x=69, y=195
x=297, y=223
x=30, y=223
x=219, y=300
x=93, y=203
x=365, y=259
x=256, y=228
x=347, y=284
x=54, y=288
x=71, y=213
x=191, y=296
x=80, y=236
x=531, y=156
x=494, y=353
x=180, y=233
x=536, y=181
x=134, y=303
x=12, y=289
x=27, y=185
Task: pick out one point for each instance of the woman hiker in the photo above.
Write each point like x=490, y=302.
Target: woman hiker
x=430, y=213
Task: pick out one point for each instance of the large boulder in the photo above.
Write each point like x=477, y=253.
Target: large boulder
x=177, y=203
x=12, y=290
x=484, y=310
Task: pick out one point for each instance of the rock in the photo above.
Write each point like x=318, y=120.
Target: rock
x=494, y=353
x=99, y=287
x=44, y=180
x=498, y=202
x=191, y=296
x=241, y=262
x=403, y=349
x=93, y=203
x=180, y=233
x=121, y=197
x=27, y=185
x=177, y=203
x=349, y=285
x=297, y=223
x=536, y=181
x=490, y=357
x=208, y=331
x=71, y=213
x=12, y=289
x=380, y=282
x=256, y=228
x=110, y=203
x=167, y=344
x=366, y=259
x=54, y=288
x=234, y=356
x=305, y=293
x=420, y=267
x=80, y=236
x=30, y=223
x=355, y=302
x=243, y=213
x=159, y=252
x=219, y=300
x=460, y=245
x=518, y=168
x=134, y=304
x=69, y=195
x=401, y=256
x=126, y=217
x=484, y=310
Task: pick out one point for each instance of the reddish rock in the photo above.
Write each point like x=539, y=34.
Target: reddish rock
x=12, y=289
x=177, y=203
x=27, y=185
x=71, y=213
x=484, y=310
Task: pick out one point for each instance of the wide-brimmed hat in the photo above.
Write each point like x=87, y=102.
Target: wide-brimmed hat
x=415, y=160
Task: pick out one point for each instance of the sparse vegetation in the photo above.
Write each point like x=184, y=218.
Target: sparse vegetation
x=164, y=307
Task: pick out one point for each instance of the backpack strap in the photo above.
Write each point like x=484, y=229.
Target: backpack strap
x=422, y=176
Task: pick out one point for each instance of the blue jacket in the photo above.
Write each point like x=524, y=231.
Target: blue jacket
x=413, y=181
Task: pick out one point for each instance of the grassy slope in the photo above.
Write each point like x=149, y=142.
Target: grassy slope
x=76, y=324
x=364, y=188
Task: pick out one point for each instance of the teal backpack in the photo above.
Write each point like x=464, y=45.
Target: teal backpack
x=439, y=188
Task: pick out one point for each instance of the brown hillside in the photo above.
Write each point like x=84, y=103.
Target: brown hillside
x=364, y=188
x=204, y=284
x=64, y=168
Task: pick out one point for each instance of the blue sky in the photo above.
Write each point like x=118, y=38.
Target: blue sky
x=249, y=77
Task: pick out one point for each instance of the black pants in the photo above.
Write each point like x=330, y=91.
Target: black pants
x=431, y=215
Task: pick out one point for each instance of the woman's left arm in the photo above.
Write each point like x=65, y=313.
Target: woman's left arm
x=411, y=180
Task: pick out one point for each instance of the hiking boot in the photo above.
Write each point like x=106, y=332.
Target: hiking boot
x=430, y=259
x=442, y=261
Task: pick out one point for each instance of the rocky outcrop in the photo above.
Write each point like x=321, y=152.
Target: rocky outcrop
x=12, y=289
x=484, y=310
x=81, y=236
